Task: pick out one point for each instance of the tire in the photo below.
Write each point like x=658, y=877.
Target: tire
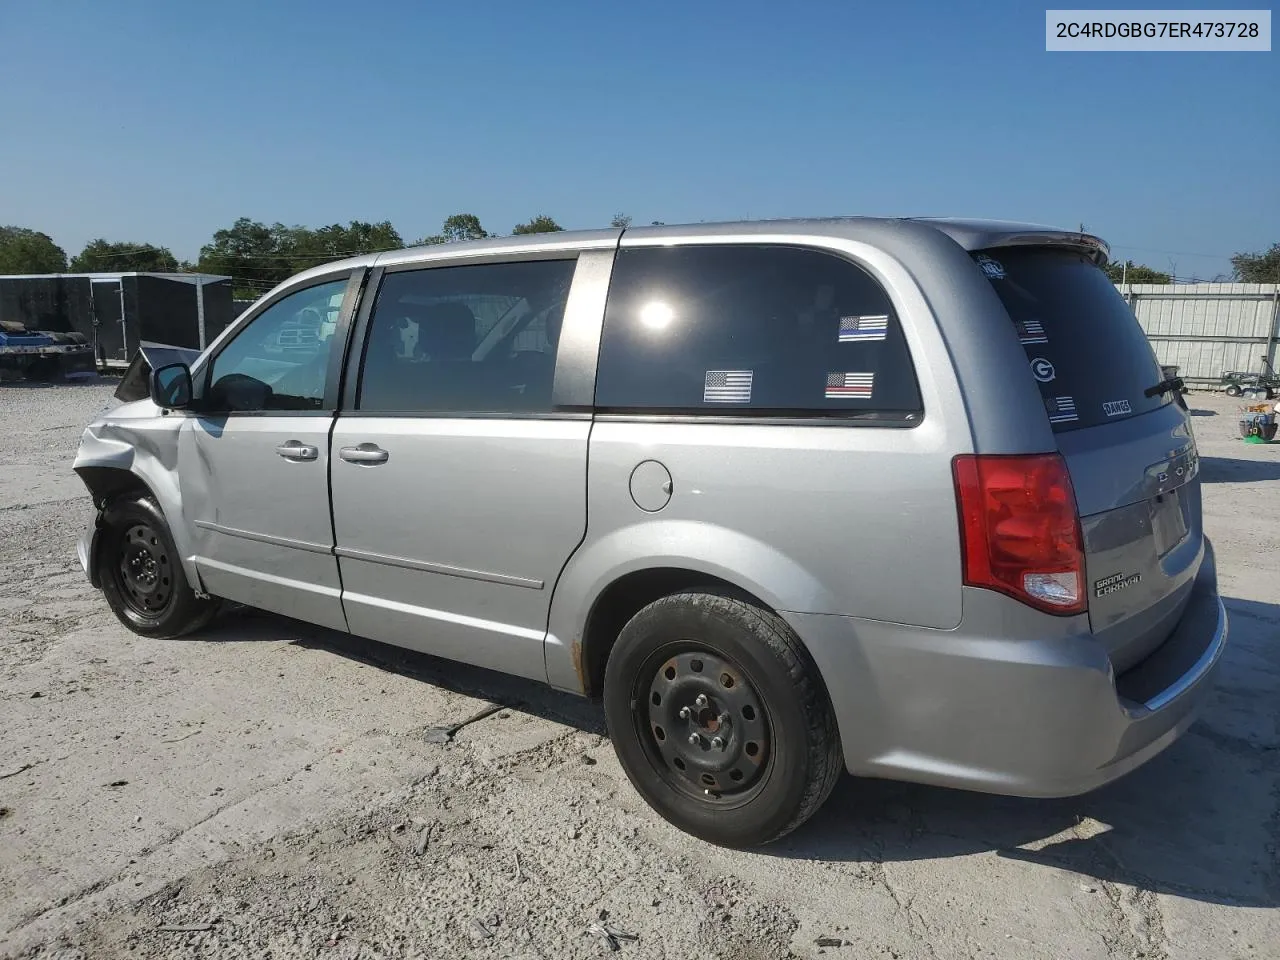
x=141, y=572
x=1233, y=390
x=778, y=755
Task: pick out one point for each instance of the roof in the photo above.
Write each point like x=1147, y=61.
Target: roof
x=178, y=277
x=970, y=234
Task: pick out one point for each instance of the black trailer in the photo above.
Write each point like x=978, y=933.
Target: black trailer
x=118, y=312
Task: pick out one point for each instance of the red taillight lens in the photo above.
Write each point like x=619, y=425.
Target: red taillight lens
x=1020, y=530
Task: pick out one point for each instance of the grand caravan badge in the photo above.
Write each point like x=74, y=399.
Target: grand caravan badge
x=1114, y=583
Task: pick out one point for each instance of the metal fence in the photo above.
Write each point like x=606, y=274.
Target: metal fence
x=1206, y=329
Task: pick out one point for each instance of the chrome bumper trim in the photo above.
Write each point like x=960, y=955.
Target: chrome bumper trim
x=1198, y=669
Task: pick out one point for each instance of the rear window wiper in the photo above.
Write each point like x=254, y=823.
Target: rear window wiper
x=1164, y=386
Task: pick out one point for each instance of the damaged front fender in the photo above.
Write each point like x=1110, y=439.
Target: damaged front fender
x=133, y=451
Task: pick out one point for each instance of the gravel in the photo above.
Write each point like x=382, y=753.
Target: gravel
x=267, y=788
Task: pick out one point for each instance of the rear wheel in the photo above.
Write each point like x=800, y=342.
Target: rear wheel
x=1234, y=390
x=141, y=573
x=720, y=719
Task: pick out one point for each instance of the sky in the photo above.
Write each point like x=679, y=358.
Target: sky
x=163, y=122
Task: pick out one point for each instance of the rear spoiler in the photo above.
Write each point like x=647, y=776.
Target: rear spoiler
x=1091, y=246
x=136, y=384
x=975, y=235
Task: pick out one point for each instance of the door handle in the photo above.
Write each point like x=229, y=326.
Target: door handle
x=296, y=450
x=365, y=453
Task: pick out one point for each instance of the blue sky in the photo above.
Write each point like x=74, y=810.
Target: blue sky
x=161, y=122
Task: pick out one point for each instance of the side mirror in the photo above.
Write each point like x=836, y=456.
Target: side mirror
x=171, y=386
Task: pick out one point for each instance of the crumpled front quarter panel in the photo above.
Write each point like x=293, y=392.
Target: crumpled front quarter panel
x=142, y=439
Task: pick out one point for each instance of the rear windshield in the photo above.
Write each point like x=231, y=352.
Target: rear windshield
x=1084, y=347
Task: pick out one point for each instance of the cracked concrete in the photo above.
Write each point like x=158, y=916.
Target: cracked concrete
x=275, y=794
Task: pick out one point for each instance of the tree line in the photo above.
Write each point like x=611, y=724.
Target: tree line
x=255, y=255
x=258, y=256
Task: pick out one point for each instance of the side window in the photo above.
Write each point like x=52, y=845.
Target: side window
x=469, y=339
x=280, y=360
x=751, y=330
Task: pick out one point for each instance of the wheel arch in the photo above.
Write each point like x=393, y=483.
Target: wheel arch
x=105, y=485
x=628, y=595
x=610, y=579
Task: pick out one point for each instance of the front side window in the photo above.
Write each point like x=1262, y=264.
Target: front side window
x=469, y=339
x=280, y=360
x=751, y=330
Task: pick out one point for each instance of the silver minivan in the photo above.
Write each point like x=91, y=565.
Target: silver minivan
x=909, y=498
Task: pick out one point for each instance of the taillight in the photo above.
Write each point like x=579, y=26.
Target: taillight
x=1020, y=529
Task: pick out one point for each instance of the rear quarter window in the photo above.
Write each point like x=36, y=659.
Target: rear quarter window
x=1083, y=344
x=745, y=330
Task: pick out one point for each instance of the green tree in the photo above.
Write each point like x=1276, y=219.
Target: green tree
x=539, y=224
x=1258, y=267
x=463, y=226
x=1131, y=272
x=101, y=256
x=28, y=251
x=311, y=248
x=460, y=226
x=258, y=256
x=620, y=221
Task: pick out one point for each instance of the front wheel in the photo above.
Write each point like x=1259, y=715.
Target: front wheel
x=1234, y=390
x=719, y=718
x=141, y=573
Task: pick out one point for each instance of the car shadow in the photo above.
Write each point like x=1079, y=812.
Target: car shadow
x=1234, y=470
x=1194, y=822
x=241, y=624
x=1202, y=413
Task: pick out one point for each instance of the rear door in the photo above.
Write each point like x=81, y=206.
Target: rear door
x=458, y=483
x=1129, y=447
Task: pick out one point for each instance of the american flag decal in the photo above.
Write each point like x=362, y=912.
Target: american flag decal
x=855, y=329
x=1061, y=409
x=1031, y=331
x=727, y=386
x=857, y=386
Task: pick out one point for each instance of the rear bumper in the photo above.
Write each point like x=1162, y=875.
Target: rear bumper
x=1030, y=707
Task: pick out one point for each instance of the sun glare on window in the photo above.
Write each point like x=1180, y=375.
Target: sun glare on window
x=657, y=315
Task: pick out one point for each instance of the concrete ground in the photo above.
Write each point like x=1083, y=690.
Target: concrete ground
x=265, y=789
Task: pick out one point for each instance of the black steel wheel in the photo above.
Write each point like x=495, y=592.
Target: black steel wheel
x=1234, y=390
x=141, y=572
x=720, y=719
x=703, y=723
